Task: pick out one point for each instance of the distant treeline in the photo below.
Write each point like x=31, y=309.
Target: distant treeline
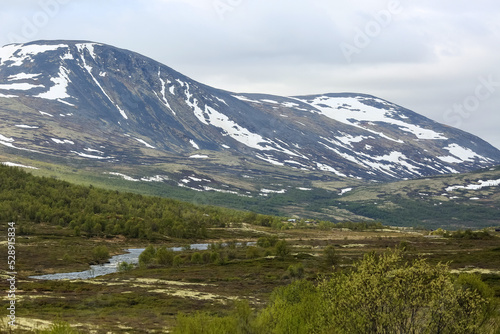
x=98, y=212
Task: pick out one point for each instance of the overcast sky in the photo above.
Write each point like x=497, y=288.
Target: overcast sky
x=438, y=58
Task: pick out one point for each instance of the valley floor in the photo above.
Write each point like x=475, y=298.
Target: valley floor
x=149, y=299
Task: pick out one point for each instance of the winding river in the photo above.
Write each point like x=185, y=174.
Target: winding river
x=132, y=257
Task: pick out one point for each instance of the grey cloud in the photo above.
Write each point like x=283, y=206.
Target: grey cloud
x=427, y=58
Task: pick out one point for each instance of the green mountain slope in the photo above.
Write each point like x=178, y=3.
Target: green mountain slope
x=98, y=212
x=452, y=201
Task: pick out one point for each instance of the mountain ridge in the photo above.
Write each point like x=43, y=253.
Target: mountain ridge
x=102, y=105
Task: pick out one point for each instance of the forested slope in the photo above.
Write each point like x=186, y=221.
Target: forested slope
x=94, y=212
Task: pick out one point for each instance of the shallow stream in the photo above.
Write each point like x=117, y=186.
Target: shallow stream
x=131, y=257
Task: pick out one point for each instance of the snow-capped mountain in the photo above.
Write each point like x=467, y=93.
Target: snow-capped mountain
x=92, y=102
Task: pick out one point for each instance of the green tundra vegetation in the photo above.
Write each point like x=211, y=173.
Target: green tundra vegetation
x=381, y=294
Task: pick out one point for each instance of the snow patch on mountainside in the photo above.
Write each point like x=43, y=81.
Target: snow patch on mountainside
x=9, y=142
x=19, y=86
x=385, y=164
x=90, y=156
x=23, y=126
x=93, y=151
x=19, y=53
x=89, y=47
x=12, y=164
x=125, y=177
x=328, y=168
x=22, y=76
x=193, y=143
x=221, y=100
x=270, y=191
x=163, y=93
x=43, y=113
x=482, y=184
x=464, y=154
x=245, y=99
x=290, y=105
x=344, y=191
x=348, y=139
x=269, y=159
x=62, y=141
x=7, y=96
x=67, y=56
x=342, y=154
x=352, y=111
x=270, y=101
x=59, y=90
x=6, y=139
x=122, y=112
x=398, y=158
x=210, y=116
x=156, y=178
x=450, y=159
x=207, y=188
x=388, y=164
x=144, y=142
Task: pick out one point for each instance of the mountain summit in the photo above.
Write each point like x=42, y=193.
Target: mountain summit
x=91, y=103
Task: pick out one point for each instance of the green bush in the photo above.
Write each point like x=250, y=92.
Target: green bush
x=214, y=257
x=330, y=255
x=178, y=261
x=100, y=254
x=296, y=271
x=252, y=252
x=266, y=242
x=293, y=309
x=196, y=258
x=125, y=267
x=203, y=323
x=152, y=256
x=263, y=242
x=385, y=294
x=147, y=257
x=58, y=328
x=282, y=249
x=206, y=257
x=164, y=257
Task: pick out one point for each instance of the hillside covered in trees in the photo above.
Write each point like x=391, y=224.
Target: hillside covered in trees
x=98, y=212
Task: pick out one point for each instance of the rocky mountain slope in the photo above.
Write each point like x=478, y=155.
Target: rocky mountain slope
x=91, y=105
